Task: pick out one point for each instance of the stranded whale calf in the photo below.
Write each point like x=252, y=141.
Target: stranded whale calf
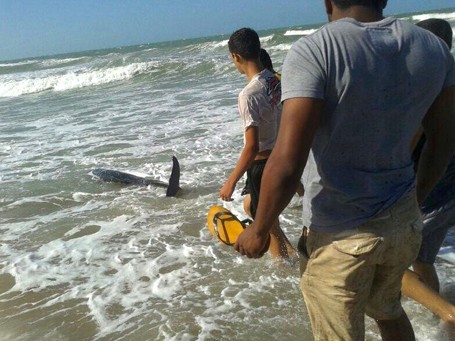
x=172, y=187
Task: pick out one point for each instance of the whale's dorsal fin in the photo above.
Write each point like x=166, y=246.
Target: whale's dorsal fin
x=174, y=180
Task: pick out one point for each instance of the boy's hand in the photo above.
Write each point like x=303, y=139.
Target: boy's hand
x=226, y=191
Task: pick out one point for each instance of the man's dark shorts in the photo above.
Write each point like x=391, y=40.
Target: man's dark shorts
x=253, y=183
x=436, y=225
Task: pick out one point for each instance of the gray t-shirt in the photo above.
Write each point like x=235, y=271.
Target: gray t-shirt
x=260, y=106
x=377, y=80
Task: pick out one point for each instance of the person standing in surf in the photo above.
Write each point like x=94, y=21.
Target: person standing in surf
x=438, y=209
x=259, y=104
x=354, y=93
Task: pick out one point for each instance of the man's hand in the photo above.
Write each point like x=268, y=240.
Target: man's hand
x=251, y=244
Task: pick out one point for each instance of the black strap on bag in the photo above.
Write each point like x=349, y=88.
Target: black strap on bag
x=216, y=217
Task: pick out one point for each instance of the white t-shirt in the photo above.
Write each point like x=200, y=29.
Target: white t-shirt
x=260, y=106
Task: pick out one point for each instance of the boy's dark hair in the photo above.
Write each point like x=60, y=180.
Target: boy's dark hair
x=438, y=27
x=245, y=42
x=379, y=4
x=266, y=61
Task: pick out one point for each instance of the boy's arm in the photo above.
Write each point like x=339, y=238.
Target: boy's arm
x=439, y=127
x=245, y=160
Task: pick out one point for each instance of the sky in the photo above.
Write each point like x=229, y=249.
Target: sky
x=30, y=28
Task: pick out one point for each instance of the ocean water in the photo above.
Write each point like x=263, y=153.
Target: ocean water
x=85, y=260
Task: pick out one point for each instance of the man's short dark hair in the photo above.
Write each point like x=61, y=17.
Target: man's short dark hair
x=245, y=42
x=438, y=27
x=379, y=4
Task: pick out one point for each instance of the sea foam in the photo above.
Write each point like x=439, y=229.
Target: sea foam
x=73, y=79
x=445, y=16
x=300, y=32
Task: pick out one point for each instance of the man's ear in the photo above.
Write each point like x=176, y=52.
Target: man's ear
x=328, y=8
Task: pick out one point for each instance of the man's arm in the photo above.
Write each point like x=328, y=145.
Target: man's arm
x=439, y=129
x=245, y=160
x=299, y=122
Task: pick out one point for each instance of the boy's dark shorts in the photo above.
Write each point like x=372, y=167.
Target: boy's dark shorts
x=253, y=183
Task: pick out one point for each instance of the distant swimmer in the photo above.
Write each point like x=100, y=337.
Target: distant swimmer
x=172, y=187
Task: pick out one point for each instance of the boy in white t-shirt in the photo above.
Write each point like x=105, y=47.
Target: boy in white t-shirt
x=260, y=109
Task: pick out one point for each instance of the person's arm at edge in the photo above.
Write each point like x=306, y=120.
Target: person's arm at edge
x=299, y=122
x=439, y=127
x=245, y=160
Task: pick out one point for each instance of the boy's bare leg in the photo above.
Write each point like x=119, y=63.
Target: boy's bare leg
x=280, y=246
x=415, y=288
x=246, y=205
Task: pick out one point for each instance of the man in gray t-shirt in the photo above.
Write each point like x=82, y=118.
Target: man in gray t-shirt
x=355, y=92
x=371, y=111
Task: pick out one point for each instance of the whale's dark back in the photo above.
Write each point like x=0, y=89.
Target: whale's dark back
x=110, y=175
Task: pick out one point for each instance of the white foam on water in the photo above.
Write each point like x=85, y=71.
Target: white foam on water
x=445, y=16
x=447, y=253
x=73, y=80
x=266, y=38
x=300, y=32
x=57, y=62
x=282, y=47
x=222, y=43
x=21, y=63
